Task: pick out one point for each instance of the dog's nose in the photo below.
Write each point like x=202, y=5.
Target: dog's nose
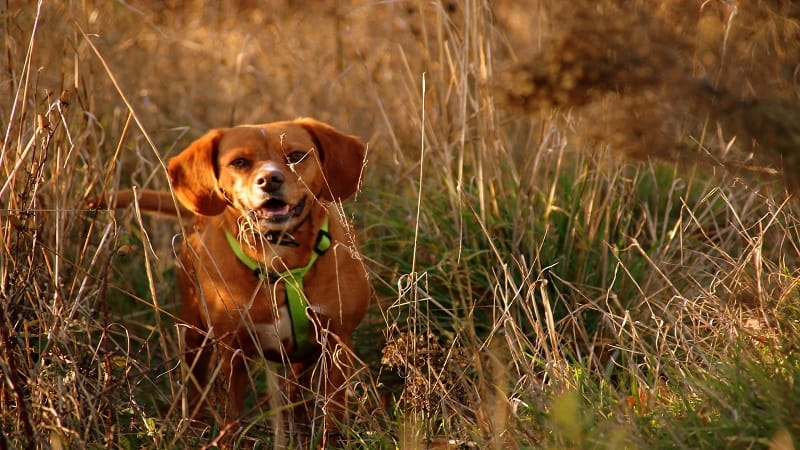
x=270, y=181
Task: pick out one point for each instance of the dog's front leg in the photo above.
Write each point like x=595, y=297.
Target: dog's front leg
x=328, y=381
x=197, y=352
x=232, y=382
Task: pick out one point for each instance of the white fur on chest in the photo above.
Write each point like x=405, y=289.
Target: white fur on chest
x=274, y=336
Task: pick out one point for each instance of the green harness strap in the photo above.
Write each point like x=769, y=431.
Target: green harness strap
x=293, y=281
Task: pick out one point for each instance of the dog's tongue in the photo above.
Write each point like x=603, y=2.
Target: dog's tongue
x=276, y=208
x=282, y=209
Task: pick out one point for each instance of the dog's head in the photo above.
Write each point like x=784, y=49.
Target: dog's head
x=273, y=173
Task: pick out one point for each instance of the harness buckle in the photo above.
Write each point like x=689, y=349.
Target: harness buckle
x=323, y=242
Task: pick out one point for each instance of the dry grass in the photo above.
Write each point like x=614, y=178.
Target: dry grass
x=577, y=219
x=651, y=73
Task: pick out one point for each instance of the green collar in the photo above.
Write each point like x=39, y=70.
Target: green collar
x=293, y=281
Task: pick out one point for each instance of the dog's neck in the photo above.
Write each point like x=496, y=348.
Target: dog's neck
x=283, y=249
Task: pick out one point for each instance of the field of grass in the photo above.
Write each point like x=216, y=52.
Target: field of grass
x=578, y=217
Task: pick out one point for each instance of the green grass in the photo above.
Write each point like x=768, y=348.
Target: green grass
x=559, y=260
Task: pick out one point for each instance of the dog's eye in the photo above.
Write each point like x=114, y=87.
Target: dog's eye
x=239, y=163
x=295, y=157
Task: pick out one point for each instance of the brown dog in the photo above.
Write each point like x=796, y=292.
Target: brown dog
x=270, y=267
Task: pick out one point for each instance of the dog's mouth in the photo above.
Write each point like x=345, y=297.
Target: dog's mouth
x=278, y=211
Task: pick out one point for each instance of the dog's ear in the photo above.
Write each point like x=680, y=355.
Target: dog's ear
x=342, y=158
x=193, y=176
